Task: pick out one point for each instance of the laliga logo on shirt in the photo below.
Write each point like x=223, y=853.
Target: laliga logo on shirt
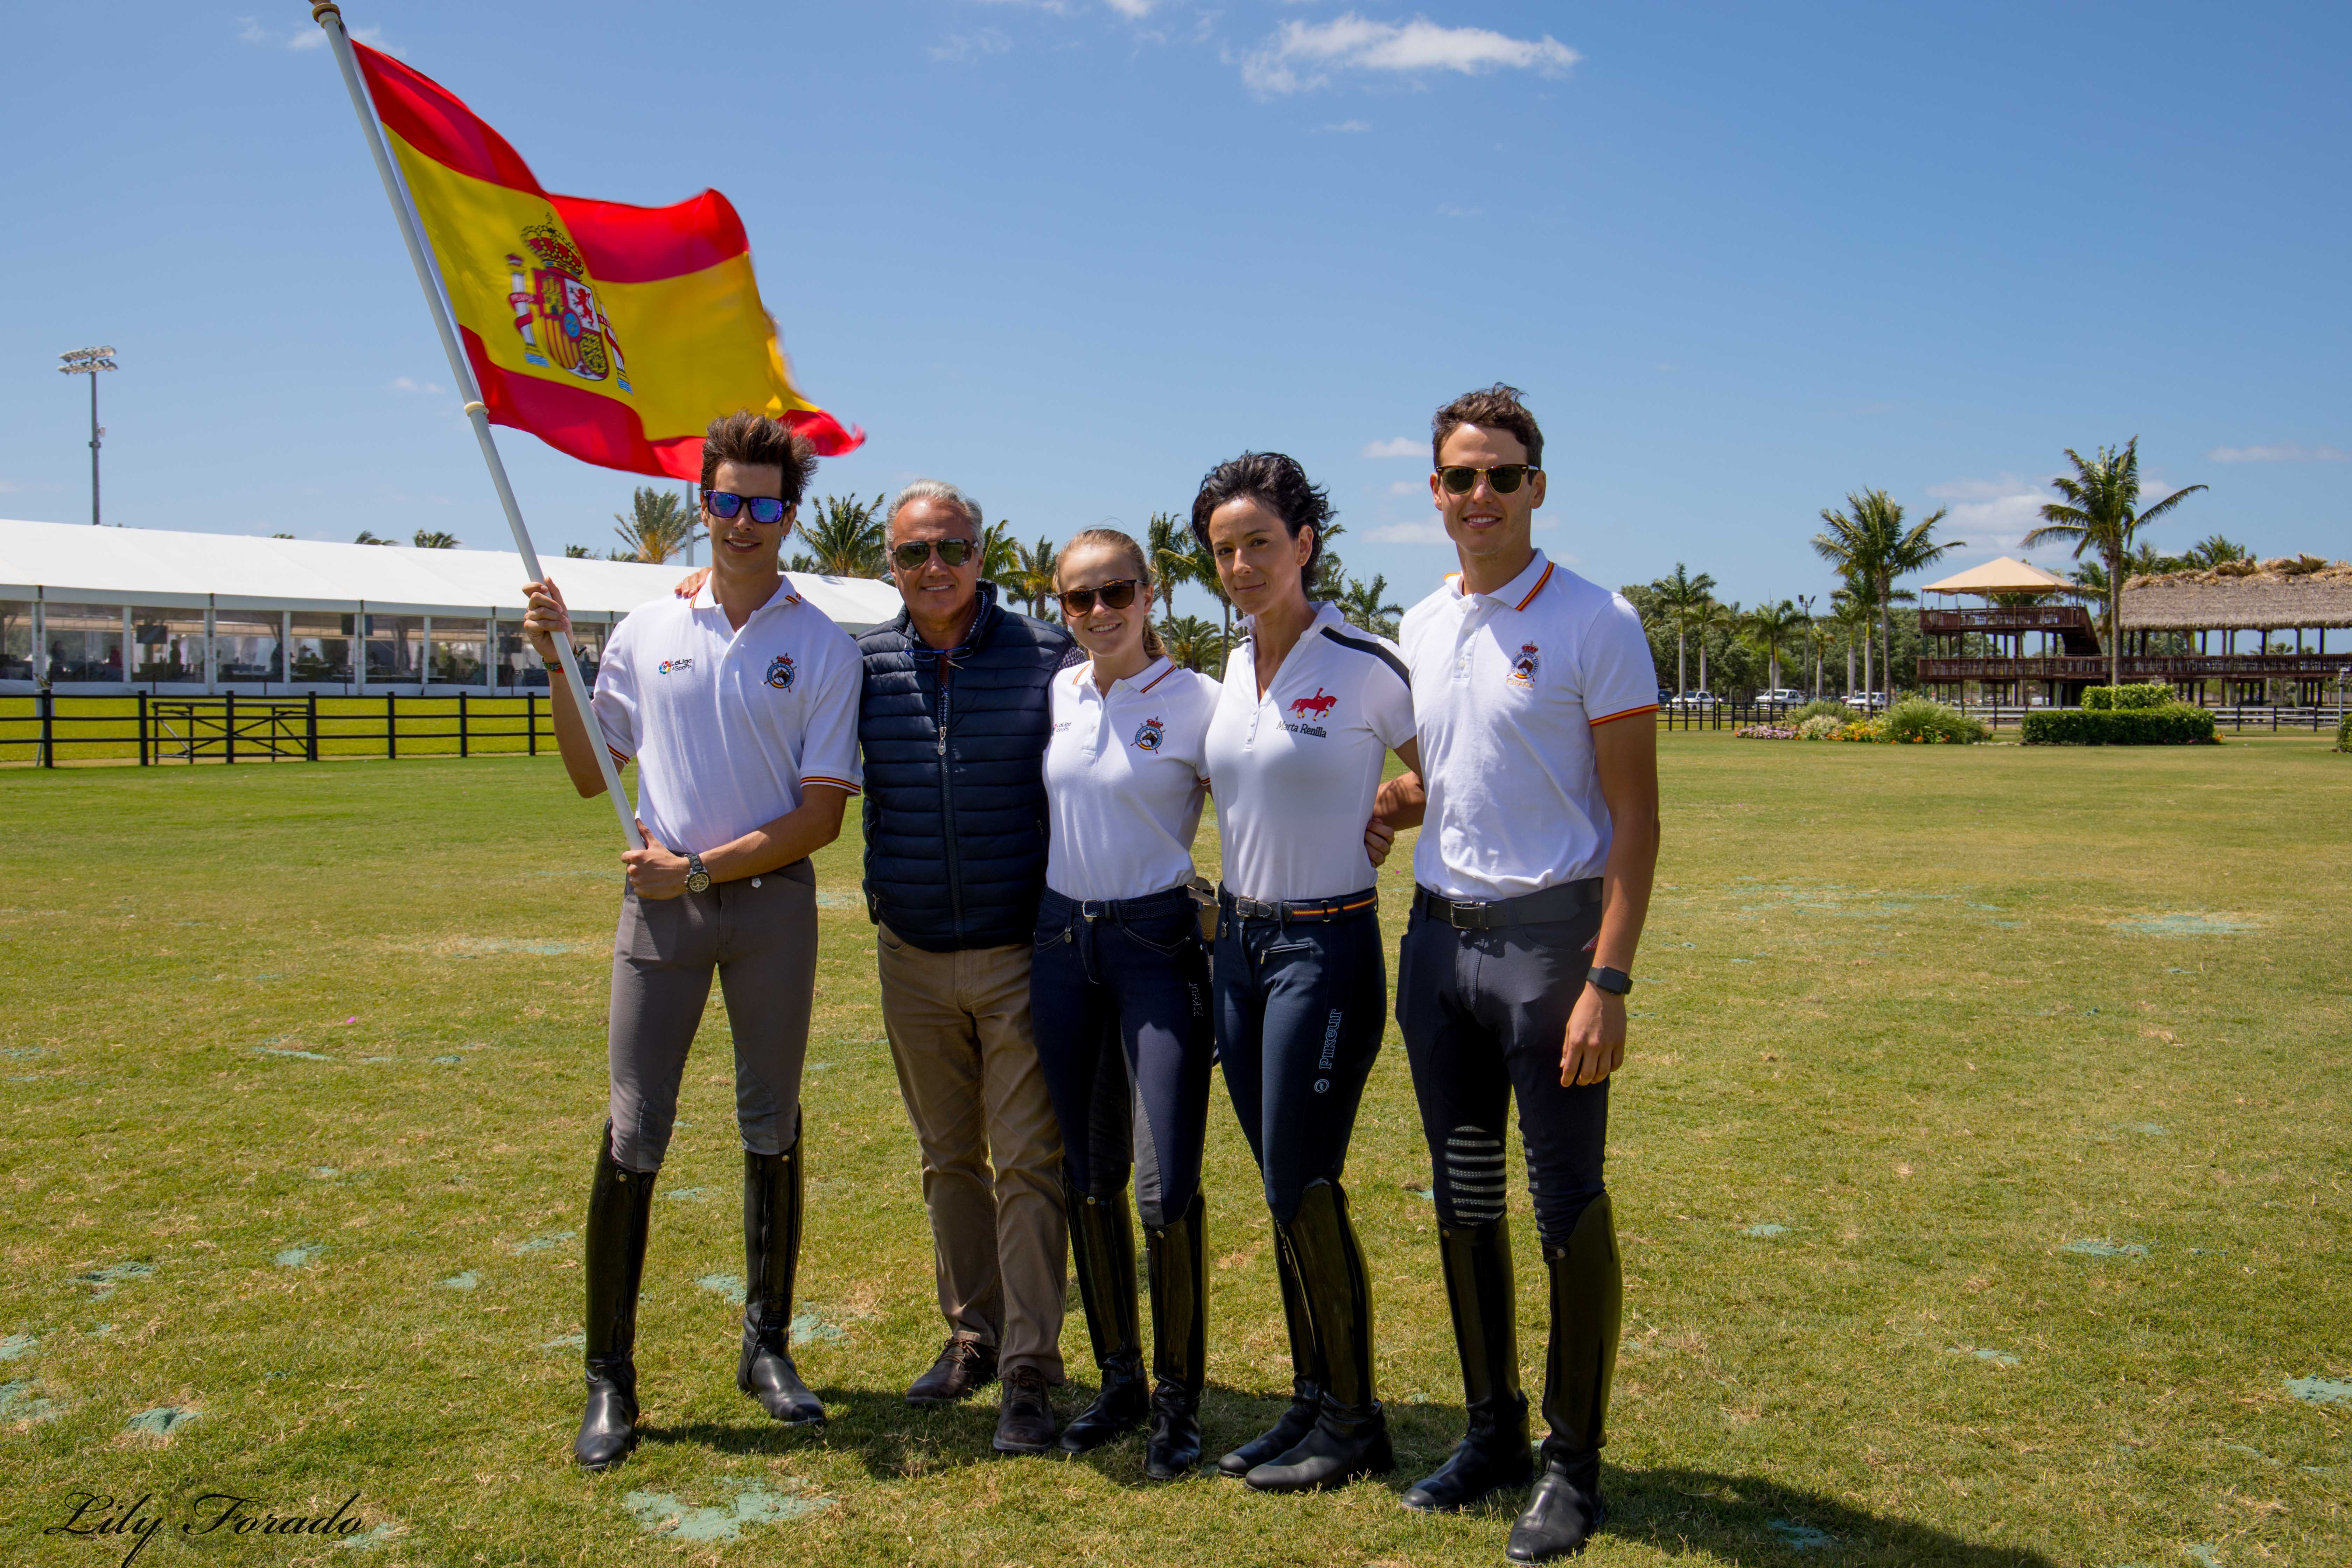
x=1523, y=668
x=780, y=673
x=1148, y=738
x=681, y=665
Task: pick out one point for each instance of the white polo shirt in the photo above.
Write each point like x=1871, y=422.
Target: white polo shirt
x=1294, y=773
x=1507, y=688
x=1125, y=775
x=726, y=725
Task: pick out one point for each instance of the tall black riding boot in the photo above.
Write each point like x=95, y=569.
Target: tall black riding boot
x=620, y=1205
x=1306, y=1375
x=1102, y=1242
x=1350, y=1436
x=1588, y=1287
x=1180, y=1342
x=1494, y=1453
x=773, y=1186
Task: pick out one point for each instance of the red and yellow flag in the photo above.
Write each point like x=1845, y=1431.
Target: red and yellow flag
x=613, y=334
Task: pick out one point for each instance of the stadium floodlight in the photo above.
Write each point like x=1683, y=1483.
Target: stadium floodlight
x=88, y=363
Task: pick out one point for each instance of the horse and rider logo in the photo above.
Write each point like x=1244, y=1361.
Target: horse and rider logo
x=1149, y=738
x=562, y=325
x=782, y=673
x=1523, y=668
x=1315, y=707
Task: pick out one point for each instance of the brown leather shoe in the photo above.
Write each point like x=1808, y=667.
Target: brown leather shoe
x=963, y=1365
x=1024, y=1418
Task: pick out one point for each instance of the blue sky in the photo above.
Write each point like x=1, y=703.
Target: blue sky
x=1743, y=259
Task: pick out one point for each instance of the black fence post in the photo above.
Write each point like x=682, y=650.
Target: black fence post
x=461, y=725
x=228, y=727
x=48, y=733
x=391, y=728
x=530, y=719
x=142, y=729
x=310, y=728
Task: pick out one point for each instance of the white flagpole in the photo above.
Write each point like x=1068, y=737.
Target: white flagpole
x=327, y=16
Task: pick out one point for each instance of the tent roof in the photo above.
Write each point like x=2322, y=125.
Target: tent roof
x=2006, y=575
x=75, y=562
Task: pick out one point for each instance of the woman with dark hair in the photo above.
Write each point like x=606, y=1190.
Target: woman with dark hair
x=1119, y=993
x=1309, y=709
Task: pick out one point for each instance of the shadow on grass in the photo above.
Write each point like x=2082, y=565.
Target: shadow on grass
x=1689, y=1511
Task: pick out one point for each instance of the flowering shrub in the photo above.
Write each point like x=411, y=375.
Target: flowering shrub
x=1828, y=707
x=1820, y=727
x=1860, y=730
x=1916, y=720
x=1765, y=732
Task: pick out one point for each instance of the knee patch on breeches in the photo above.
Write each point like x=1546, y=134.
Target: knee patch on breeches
x=1469, y=1176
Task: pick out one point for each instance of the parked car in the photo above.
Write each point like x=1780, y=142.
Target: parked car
x=1782, y=697
x=1694, y=699
x=1867, y=702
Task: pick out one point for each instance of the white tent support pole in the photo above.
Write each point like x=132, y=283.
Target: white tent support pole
x=425, y=670
x=359, y=649
x=330, y=19
x=126, y=647
x=286, y=649
x=212, y=652
x=41, y=671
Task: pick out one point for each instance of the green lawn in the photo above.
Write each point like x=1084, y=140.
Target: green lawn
x=1981, y=1159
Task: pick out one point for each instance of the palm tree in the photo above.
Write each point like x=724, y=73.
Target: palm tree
x=1362, y=605
x=1769, y=625
x=2102, y=513
x=843, y=535
x=1173, y=556
x=433, y=539
x=2215, y=551
x=578, y=552
x=1331, y=572
x=1684, y=598
x=659, y=525
x=1193, y=643
x=1810, y=636
x=1854, y=611
x=367, y=538
x=1868, y=543
x=1031, y=578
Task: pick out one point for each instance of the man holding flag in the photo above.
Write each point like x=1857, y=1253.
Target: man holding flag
x=740, y=707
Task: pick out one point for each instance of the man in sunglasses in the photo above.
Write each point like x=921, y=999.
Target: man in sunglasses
x=956, y=713
x=1537, y=797
x=740, y=707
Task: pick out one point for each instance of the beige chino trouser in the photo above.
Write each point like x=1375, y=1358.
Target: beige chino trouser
x=968, y=1069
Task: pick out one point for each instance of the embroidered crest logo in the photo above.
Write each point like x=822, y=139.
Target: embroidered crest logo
x=1148, y=738
x=1315, y=707
x=679, y=665
x=1523, y=668
x=556, y=310
x=782, y=673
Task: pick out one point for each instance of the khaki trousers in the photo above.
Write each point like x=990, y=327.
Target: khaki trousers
x=968, y=1069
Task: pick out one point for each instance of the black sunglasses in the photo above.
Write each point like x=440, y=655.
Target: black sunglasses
x=953, y=553
x=1114, y=596
x=724, y=504
x=1505, y=478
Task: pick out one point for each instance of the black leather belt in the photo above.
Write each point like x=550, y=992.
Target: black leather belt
x=1563, y=900
x=1310, y=909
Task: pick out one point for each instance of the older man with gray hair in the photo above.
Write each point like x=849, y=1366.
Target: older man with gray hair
x=954, y=719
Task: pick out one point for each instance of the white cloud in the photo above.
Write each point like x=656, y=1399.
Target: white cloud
x=960, y=47
x=1992, y=515
x=1349, y=126
x=2288, y=453
x=1303, y=55
x=409, y=384
x=251, y=29
x=1133, y=10
x=1408, y=487
x=1395, y=446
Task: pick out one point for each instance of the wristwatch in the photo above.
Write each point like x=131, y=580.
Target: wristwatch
x=1616, y=981
x=698, y=875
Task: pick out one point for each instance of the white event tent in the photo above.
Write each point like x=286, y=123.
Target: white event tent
x=130, y=609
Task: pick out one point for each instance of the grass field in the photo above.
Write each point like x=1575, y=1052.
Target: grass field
x=1982, y=1160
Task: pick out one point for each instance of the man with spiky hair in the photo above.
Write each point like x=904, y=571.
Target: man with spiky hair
x=1537, y=799
x=740, y=707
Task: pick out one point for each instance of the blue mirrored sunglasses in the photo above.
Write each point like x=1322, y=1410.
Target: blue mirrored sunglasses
x=724, y=504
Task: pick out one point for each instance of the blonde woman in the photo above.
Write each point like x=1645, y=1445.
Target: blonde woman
x=1119, y=993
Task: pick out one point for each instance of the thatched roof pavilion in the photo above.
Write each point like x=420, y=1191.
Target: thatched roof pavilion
x=2273, y=596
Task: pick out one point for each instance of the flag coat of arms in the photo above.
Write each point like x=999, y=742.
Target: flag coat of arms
x=614, y=334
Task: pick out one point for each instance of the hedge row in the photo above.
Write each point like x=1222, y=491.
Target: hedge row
x=2154, y=694
x=2126, y=727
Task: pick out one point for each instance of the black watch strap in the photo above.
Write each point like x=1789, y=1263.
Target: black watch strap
x=1616, y=981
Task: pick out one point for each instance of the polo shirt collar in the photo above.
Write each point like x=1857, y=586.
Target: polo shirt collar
x=1326, y=614
x=704, y=599
x=1514, y=594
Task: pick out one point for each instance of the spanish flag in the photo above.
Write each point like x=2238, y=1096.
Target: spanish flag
x=613, y=333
